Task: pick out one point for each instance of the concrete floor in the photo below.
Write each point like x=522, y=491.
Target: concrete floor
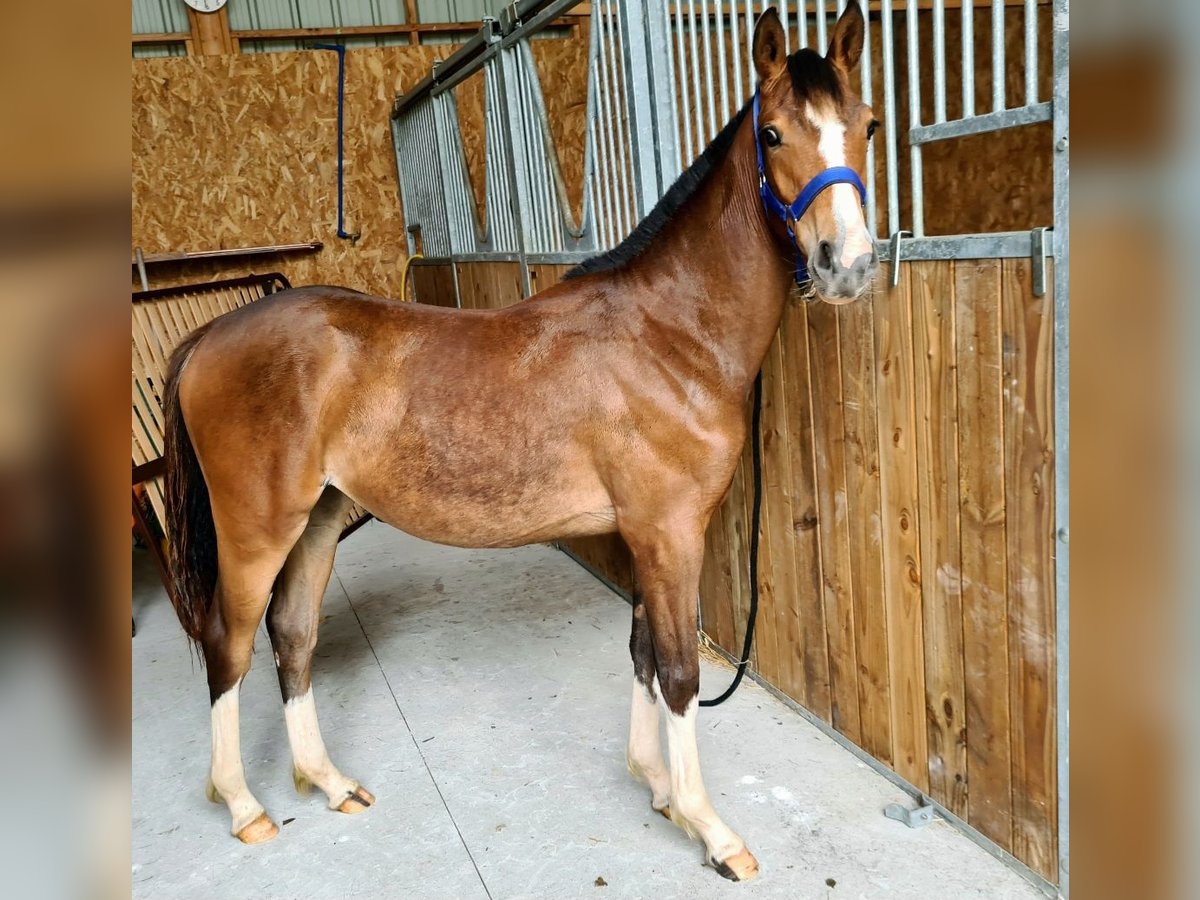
x=483, y=697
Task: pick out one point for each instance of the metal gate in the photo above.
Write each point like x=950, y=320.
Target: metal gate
x=663, y=78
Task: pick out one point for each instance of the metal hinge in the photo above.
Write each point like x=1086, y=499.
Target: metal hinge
x=1037, y=250
x=913, y=818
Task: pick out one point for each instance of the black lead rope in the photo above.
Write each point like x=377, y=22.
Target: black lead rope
x=756, y=457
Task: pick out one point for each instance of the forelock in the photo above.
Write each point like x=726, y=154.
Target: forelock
x=814, y=79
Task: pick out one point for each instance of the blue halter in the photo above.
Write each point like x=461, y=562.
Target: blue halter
x=789, y=214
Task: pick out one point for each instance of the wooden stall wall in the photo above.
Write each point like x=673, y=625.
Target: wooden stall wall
x=907, y=573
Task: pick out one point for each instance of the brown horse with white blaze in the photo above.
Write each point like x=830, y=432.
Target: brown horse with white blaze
x=614, y=401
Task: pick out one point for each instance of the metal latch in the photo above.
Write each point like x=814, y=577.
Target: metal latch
x=913, y=818
x=896, y=256
x=1037, y=250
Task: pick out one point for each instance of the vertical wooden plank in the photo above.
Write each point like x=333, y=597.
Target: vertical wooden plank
x=832, y=528
x=210, y=32
x=779, y=557
x=766, y=650
x=809, y=610
x=983, y=568
x=715, y=589
x=1029, y=511
x=932, y=285
x=863, y=516
x=896, y=411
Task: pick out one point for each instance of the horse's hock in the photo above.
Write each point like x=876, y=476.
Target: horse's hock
x=913, y=560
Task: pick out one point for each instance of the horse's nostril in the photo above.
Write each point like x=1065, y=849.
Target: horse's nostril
x=825, y=256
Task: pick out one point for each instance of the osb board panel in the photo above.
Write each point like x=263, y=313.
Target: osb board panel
x=563, y=73
x=433, y=284
x=906, y=570
x=241, y=150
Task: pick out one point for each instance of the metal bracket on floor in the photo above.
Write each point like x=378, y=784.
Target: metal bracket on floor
x=913, y=818
x=1037, y=250
x=896, y=255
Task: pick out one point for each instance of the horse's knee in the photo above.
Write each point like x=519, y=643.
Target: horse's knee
x=679, y=681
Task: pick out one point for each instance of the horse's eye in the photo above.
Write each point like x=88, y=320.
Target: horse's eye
x=871, y=128
x=771, y=137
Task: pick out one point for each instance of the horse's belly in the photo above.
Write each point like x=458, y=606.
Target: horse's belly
x=485, y=508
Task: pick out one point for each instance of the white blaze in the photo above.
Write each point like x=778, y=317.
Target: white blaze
x=847, y=205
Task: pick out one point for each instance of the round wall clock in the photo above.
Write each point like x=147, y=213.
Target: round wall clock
x=205, y=6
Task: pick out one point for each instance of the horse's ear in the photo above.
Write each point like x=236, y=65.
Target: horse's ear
x=845, y=47
x=770, y=46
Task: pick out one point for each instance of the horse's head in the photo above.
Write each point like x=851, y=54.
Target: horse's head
x=811, y=120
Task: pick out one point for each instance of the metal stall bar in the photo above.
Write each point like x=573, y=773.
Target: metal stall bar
x=722, y=67
x=605, y=133
x=751, y=76
x=501, y=226
x=939, y=60
x=710, y=100
x=616, y=51
x=914, y=120
x=868, y=96
x=662, y=58
x=735, y=44
x=802, y=23
x=698, y=117
x=1062, y=471
x=822, y=27
x=607, y=130
x=997, y=121
x=889, y=116
x=1031, y=52
x=968, y=58
x=998, y=73
x=454, y=175
x=639, y=18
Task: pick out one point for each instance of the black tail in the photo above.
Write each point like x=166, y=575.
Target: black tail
x=190, y=531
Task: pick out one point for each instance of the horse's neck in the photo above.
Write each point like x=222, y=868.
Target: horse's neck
x=721, y=277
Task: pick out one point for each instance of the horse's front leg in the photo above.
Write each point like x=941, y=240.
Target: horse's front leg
x=667, y=564
x=644, y=755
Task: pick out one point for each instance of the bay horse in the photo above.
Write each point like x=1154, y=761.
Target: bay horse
x=612, y=402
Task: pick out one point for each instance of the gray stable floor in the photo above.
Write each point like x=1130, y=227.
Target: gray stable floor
x=483, y=697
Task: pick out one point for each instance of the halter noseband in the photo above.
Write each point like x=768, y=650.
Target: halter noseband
x=789, y=214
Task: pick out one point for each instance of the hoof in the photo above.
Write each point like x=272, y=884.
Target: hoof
x=665, y=812
x=303, y=785
x=356, y=802
x=739, y=867
x=210, y=791
x=259, y=831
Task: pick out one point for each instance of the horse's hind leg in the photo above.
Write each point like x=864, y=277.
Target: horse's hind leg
x=292, y=623
x=243, y=587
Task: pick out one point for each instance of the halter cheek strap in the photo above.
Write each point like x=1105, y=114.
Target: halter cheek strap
x=790, y=213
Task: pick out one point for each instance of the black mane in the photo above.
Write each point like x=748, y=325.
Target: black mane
x=684, y=188
x=811, y=75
